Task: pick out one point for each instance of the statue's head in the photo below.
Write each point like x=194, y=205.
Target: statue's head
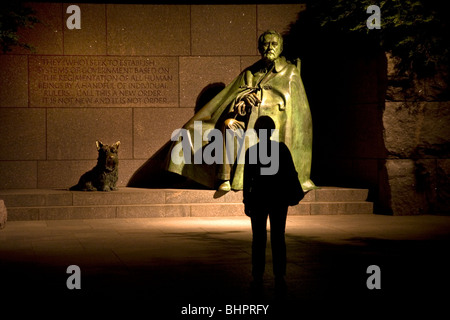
x=270, y=45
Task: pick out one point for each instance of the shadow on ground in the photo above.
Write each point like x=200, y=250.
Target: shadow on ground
x=323, y=277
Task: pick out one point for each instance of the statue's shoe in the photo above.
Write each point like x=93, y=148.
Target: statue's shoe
x=225, y=186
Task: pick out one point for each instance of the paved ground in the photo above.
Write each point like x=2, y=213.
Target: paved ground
x=166, y=266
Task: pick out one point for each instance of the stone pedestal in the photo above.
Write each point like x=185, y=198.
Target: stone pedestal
x=42, y=204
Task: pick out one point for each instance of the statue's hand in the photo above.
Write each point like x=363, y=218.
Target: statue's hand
x=234, y=124
x=241, y=108
x=246, y=103
x=251, y=100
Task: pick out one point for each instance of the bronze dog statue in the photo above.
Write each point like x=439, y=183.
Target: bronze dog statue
x=104, y=176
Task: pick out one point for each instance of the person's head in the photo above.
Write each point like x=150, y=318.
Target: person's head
x=264, y=122
x=270, y=45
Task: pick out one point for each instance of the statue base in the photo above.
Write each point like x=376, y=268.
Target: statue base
x=44, y=204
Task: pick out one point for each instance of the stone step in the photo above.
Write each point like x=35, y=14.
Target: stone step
x=41, y=204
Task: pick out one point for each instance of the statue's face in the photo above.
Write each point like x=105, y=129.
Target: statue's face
x=271, y=47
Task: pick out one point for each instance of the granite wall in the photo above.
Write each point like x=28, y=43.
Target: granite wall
x=417, y=138
x=131, y=73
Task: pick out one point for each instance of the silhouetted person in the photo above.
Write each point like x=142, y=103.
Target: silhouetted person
x=270, y=187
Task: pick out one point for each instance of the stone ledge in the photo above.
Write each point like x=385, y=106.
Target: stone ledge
x=353, y=207
x=127, y=195
x=40, y=204
x=36, y=197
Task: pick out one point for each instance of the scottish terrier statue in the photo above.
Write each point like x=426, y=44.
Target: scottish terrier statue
x=104, y=176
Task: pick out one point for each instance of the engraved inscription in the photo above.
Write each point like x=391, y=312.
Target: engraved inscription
x=85, y=81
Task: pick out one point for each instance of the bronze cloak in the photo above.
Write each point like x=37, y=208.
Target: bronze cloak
x=283, y=98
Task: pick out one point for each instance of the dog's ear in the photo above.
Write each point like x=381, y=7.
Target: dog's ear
x=99, y=144
x=116, y=145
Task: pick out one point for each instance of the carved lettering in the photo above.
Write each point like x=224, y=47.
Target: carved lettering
x=74, y=81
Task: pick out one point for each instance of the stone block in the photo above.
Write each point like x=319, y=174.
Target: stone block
x=153, y=211
x=127, y=169
x=358, y=208
x=23, y=134
x=57, y=198
x=428, y=186
x=14, y=81
x=46, y=37
x=417, y=128
x=303, y=208
x=103, y=81
x=35, y=197
x=233, y=197
x=177, y=211
x=124, y=196
x=400, y=167
x=3, y=214
x=217, y=210
x=13, y=198
x=90, y=39
x=196, y=73
x=231, y=30
x=62, y=174
x=69, y=213
x=23, y=214
x=341, y=194
x=400, y=88
x=18, y=174
x=191, y=196
x=326, y=208
x=406, y=198
x=71, y=133
x=248, y=61
x=433, y=130
x=399, y=129
x=140, y=211
x=442, y=186
x=153, y=127
x=148, y=29
x=310, y=196
x=277, y=17
x=334, y=208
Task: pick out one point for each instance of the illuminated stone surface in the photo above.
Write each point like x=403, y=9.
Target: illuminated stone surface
x=231, y=30
x=100, y=81
x=28, y=142
x=90, y=39
x=14, y=81
x=48, y=204
x=148, y=29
